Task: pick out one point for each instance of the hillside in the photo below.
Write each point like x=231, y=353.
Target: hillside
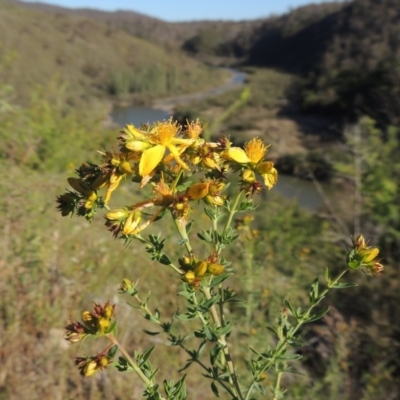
x=92, y=58
x=346, y=55
x=349, y=55
x=157, y=30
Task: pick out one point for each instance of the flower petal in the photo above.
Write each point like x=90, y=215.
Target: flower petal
x=177, y=156
x=237, y=154
x=150, y=159
x=269, y=173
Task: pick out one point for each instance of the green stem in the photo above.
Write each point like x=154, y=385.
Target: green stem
x=221, y=382
x=183, y=234
x=249, y=390
x=283, y=342
x=149, y=312
x=222, y=340
x=203, y=320
x=175, y=183
x=131, y=362
x=277, y=385
x=232, y=212
x=249, y=282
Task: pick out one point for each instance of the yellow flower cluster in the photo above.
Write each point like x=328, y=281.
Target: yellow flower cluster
x=364, y=257
x=93, y=323
x=195, y=270
x=166, y=156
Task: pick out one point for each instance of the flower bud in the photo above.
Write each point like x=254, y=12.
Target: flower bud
x=103, y=362
x=248, y=175
x=179, y=206
x=236, y=154
x=108, y=310
x=131, y=224
x=125, y=167
x=200, y=269
x=103, y=324
x=126, y=285
x=195, y=160
x=377, y=269
x=119, y=214
x=86, y=316
x=198, y=191
x=90, y=368
x=215, y=269
x=215, y=200
x=137, y=145
x=369, y=255
x=359, y=242
x=115, y=161
x=189, y=277
x=91, y=196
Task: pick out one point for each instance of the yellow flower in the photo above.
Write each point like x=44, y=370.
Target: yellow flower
x=255, y=150
x=268, y=172
x=194, y=129
x=154, y=144
x=252, y=155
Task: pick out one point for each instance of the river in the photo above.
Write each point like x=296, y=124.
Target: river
x=289, y=187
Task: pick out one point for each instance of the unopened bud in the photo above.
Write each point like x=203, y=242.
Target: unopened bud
x=137, y=145
x=200, y=269
x=249, y=176
x=215, y=269
x=369, y=255
x=87, y=316
x=197, y=191
x=103, y=324
x=215, y=200
x=119, y=214
x=189, y=277
x=359, y=242
x=195, y=160
x=90, y=368
x=103, y=362
x=125, y=167
x=132, y=223
x=126, y=285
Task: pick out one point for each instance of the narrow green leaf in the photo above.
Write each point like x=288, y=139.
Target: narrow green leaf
x=214, y=389
x=111, y=353
x=273, y=331
x=164, y=259
x=189, y=228
x=150, y=332
x=259, y=388
x=317, y=316
x=147, y=353
x=327, y=278
x=290, y=357
x=314, y=290
x=343, y=285
x=214, y=352
x=220, y=278
x=290, y=307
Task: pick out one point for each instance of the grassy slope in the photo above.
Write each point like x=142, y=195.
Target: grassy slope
x=84, y=54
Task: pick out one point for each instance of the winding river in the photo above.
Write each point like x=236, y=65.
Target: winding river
x=289, y=187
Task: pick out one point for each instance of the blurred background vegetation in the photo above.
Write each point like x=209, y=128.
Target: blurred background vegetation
x=325, y=92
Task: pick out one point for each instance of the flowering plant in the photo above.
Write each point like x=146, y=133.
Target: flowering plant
x=183, y=169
